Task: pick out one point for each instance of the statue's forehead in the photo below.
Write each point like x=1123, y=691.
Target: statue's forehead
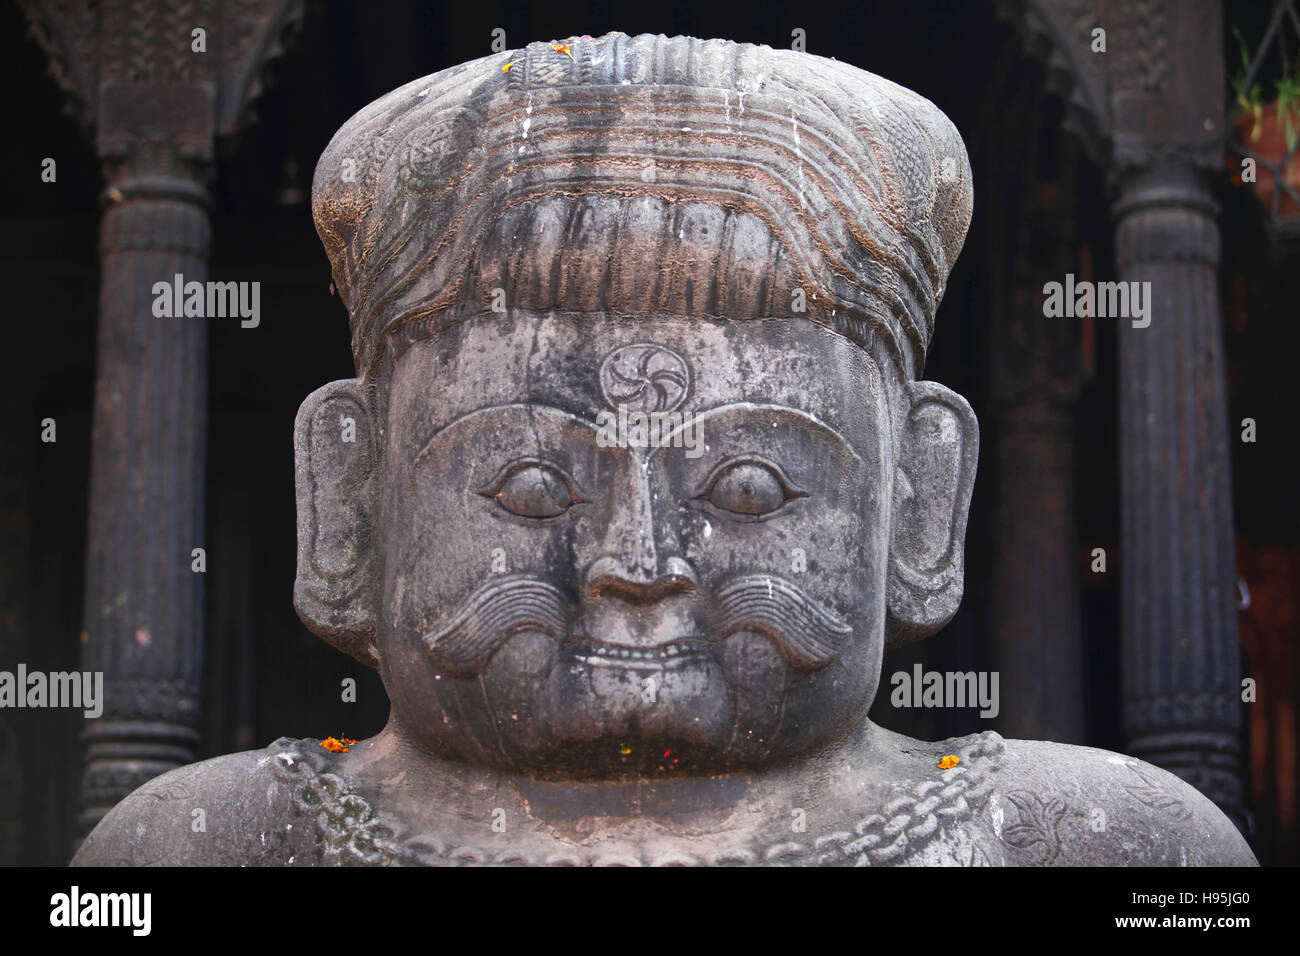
x=586, y=364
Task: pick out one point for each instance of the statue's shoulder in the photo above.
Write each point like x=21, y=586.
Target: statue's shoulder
x=232, y=810
x=1061, y=804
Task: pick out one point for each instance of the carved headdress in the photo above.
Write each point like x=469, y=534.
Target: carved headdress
x=645, y=175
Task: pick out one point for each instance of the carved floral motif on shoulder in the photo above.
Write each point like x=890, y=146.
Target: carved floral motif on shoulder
x=1037, y=825
x=1151, y=793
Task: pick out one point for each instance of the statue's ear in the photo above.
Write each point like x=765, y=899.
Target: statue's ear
x=336, y=460
x=935, y=472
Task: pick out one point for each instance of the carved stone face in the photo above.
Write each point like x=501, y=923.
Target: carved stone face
x=557, y=601
x=591, y=546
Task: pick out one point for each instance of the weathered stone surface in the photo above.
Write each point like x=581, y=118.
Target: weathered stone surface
x=880, y=800
x=605, y=649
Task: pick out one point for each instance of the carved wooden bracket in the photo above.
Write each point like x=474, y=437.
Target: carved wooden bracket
x=1125, y=103
x=151, y=89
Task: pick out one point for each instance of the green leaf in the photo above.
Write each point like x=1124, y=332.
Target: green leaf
x=1245, y=55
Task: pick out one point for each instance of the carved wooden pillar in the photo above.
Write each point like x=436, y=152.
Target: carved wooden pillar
x=1146, y=94
x=1182, y=659
x=155, y=84
x=144, y=605
x=1182, y=666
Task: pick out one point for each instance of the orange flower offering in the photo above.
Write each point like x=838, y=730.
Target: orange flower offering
x=948, y=762
x=337, y=745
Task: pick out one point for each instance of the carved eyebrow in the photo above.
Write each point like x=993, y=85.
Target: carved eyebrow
x=757, y=413
x=526, y=411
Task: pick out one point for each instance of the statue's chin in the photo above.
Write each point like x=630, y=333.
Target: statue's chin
x=584, y=708
x=591, y=709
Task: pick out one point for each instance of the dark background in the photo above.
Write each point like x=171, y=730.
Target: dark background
x=267, y=676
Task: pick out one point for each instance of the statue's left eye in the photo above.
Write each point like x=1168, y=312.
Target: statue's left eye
x=749, y=487
x=534, y=489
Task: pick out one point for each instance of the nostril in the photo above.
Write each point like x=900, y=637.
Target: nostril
x=609, y=577
x=639, y=592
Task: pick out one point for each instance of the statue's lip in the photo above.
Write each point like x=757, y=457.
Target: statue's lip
x=608, y=654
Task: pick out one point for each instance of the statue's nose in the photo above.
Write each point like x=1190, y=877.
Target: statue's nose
x=632, y=563
x=607, y=576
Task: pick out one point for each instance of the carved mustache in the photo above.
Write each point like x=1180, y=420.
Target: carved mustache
x=497, y=610
x=807, y=635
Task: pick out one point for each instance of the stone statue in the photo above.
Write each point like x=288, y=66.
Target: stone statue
x=637, y=482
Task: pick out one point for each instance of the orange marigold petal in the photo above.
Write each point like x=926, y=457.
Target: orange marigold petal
x=948, y=762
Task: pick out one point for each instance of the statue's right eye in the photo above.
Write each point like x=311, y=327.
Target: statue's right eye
x=534, y=489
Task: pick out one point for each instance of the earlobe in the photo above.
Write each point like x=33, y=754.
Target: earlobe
x=335, y=460
x=934, y=477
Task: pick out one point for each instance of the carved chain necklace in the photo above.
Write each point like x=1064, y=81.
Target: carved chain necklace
x=352, y=833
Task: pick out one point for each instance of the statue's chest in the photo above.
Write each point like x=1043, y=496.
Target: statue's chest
x=938, y=822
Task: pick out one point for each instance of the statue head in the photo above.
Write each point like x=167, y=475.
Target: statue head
x=637, y=475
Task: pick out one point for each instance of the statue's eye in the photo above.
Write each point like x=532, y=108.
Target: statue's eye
x=749, y=487
x=533, y=489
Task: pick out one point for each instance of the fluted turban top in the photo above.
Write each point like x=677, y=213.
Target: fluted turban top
x=643, y=175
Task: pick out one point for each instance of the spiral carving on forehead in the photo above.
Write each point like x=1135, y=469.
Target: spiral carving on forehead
x=647, y=175
x=645, y=377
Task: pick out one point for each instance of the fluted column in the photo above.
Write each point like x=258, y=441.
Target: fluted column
x=1151, y=107
x=144, y=604
x=154, y=85
x=1181, y=659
